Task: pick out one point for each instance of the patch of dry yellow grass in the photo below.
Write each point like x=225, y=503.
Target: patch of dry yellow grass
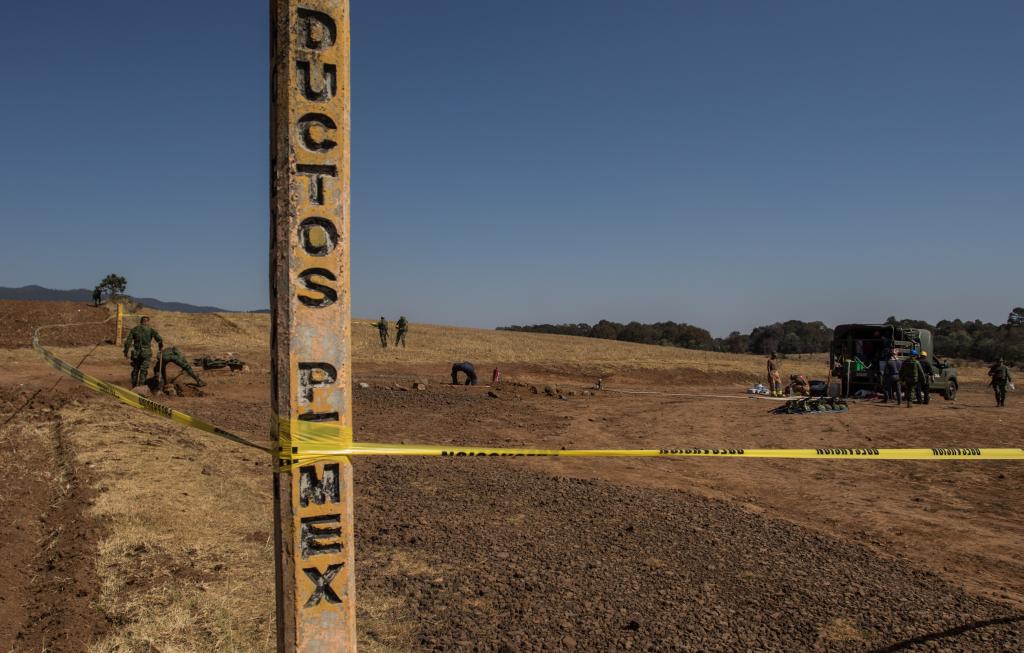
x=430, y=343
x=840, y=631
x=441, y=345
x=187, y=560
x=186, y=563
x=248, y=335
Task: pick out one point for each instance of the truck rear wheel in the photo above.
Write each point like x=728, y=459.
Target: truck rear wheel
x=950, y=393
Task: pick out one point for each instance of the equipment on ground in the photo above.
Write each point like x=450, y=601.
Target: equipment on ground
x=210, y=363
x=811, y=406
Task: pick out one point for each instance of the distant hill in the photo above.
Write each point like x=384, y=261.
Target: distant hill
x=38, y=293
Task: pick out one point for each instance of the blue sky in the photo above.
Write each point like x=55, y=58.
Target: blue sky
x=726, y=164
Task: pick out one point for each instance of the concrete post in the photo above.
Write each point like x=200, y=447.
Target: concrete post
x=311, y=325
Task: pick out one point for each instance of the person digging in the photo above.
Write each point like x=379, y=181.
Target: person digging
x=172, y=355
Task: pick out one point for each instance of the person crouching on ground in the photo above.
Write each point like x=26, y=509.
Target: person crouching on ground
x=172, y=355
x=798, y=385
x=466, y=368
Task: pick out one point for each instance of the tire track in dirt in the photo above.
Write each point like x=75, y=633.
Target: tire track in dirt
x=49, y=579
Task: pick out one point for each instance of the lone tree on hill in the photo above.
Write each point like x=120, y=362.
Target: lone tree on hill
x=1016, y=317
x=114, y=284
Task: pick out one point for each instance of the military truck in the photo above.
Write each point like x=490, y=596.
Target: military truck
x=858, y=351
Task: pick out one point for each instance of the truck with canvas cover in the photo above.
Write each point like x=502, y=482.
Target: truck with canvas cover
x=860, y=350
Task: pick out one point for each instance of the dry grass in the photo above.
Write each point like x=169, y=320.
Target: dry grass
x=187, y=563
x=212, y=332
x=430, y=344
x=247, y=334
x=840, y=630
x=440, y=345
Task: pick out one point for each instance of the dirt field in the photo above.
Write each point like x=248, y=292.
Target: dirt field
x=114, y=521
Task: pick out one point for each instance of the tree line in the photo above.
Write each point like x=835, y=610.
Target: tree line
x=952, y=338
x=660, y=333
x=974, y=338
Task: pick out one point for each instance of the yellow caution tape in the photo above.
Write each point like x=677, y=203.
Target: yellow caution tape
x=302, y=442
x=373, y=449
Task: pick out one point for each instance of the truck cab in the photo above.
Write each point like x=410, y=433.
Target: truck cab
x=859, y=350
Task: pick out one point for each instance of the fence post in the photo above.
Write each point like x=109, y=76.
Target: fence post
x=311, y=321
x=120, y=324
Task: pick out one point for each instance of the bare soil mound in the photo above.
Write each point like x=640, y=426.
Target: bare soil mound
x=18, y=319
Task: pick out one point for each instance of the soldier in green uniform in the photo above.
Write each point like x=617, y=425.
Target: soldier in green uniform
x=911, y=373
x=172, y=355
x=401, y=327
x=1001, y=378
x=139, y=342
x=382, y=329
x=924, y=386
x=96, y=296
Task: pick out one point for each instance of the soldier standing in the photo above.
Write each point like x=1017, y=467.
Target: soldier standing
x=401, y=326
x=172, y=355
x=891, y=379
x=1001, y=378
x=96, y=296
x=139, y=341
x=382, y=330
x=774, y=378
x=911, y=374
x=924, y=388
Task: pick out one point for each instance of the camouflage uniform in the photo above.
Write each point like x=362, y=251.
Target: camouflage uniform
x=924, y=386
x=382, y=329
x=172, y=355
x=1001, y=378
x=911, y=373
x=401, y=326
x=139, y=341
